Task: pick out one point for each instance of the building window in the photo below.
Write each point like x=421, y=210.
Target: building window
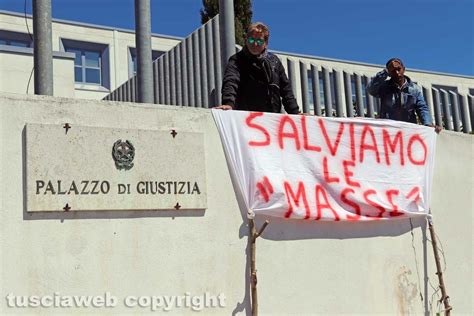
x=15, y=39
x=132, y=60
x=87, y=66
x=91, y=63
x=14, y=43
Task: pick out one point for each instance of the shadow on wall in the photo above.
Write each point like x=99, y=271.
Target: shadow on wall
x=284, y=229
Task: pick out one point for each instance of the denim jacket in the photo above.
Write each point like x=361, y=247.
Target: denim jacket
x=399, y=104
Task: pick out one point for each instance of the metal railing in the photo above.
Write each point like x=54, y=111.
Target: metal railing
x=190, y=74
x=331, y=92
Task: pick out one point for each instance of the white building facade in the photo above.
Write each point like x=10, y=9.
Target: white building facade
x=90, y=61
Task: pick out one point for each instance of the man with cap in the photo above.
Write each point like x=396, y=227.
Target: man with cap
x=401, y=99
x=255, y=80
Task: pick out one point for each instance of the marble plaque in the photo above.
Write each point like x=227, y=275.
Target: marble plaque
x=80, y=168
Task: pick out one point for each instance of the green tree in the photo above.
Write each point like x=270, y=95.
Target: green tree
x=242, y=12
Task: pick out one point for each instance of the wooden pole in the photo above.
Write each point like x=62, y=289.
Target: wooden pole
x=253, y=235
x=445, y=297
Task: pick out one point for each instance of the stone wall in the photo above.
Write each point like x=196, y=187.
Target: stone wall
x=304, y=268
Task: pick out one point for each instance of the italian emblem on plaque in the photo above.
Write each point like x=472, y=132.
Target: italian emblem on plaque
x=123, y=154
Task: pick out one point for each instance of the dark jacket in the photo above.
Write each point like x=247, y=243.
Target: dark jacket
x=401, y=104
x=257, y=84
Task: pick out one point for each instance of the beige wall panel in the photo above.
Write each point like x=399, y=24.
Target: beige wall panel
x=16, y=70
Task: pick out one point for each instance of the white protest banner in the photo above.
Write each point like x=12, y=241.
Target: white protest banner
x=334, y=169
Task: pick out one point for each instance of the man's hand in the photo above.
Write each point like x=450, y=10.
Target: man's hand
x=437, y=128
x=223, y=107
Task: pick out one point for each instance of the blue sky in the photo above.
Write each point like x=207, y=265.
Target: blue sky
x=436, y=35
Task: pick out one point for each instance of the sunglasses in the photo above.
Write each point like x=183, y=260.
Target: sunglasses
x=259, y=41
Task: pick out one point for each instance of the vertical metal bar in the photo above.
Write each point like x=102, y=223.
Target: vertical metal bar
x=226, y=13
x=166, y=72
x=43, y=47
x=122, y=93
x=184, y=73
x=359, y=97
x=177, y=67
x=370, y=100
x=448, y=123
x=370, y=106
x=304, y=86
x=466, y=122
x=327, y=92
x=211, y=92
x=172, y=72
x=338, y=93
x=470, y=99
x=429, y=101
x=161, y=75
x=134, y=89
x=156, y=80
x=143, y=45
x=455, y=108
x=125, y=88
x=316, y=90
x=218, y=69
x=197, y=67
x=292, y=74
x=128, y=92
x=437, y=107
x=189, y=54
x=203, y=70
x=348, y=93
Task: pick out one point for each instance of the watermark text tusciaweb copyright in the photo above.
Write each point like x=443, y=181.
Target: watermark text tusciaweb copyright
x=107, y=300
